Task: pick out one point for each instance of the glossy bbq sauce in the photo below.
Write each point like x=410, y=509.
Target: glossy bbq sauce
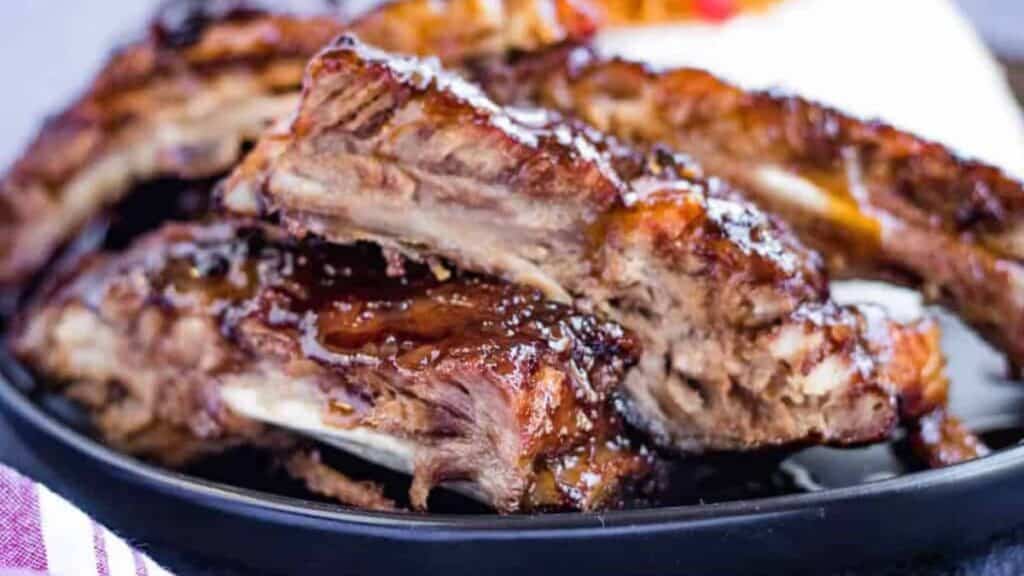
x=350, y=311
x=348, y=307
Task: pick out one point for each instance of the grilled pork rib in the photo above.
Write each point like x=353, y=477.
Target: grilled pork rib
x=469, y=380
x=184, y=103
x=741, y=346
x=879, y=203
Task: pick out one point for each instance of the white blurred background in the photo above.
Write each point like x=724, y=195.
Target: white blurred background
x=915, y=63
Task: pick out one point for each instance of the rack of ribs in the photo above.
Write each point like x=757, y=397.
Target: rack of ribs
x=877, y=202
x=186, y=100
x=470, y=381
x=741, y=347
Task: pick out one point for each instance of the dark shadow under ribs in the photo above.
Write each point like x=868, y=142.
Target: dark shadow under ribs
x=877, y=202
x=469, y=381
x=741, y=346
x=185, y=101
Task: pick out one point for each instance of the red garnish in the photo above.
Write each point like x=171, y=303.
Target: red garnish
x=581, y=18
x=716, y=10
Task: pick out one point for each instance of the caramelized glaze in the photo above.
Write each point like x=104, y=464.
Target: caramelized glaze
x=350, y=311
x=469, y=362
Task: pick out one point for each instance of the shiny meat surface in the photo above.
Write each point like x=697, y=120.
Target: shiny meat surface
x=741, y=347
x=186, y=100
x=939, y=439
x=468, y=380
x=877, y=202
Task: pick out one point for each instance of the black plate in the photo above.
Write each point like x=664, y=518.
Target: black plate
x=849, y=518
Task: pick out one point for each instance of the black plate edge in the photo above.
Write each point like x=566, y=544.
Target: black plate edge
x=220, y=495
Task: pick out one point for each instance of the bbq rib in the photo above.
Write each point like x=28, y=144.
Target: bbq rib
x=183, y=103
x=471, y=381
x=741, y=346
x=879, y=203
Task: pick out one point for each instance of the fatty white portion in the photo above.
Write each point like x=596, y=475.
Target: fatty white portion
x=297, y=405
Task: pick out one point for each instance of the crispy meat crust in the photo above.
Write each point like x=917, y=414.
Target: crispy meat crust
x=876, y=201
x=184, y=105
x=741, y=346
x=486, y=382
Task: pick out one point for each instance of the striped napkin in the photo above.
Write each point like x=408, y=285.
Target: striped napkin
x=41, y=533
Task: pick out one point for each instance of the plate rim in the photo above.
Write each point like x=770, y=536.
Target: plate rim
x=255, y=502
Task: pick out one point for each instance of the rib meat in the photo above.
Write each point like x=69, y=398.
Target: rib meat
x=183, y=103
x=878, y=202
x=469, y=381
x=741, y=346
